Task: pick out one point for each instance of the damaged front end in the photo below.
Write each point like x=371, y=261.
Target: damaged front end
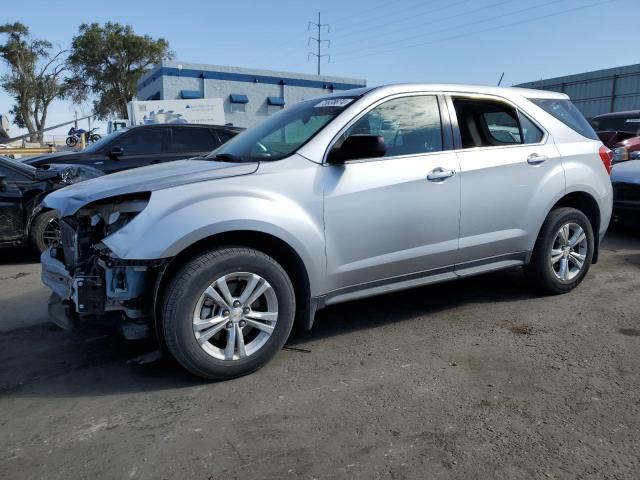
x=89, y=280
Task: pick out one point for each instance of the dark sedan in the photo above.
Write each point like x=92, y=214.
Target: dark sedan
x=22, y=188
x=625, y=178
x=142, y=145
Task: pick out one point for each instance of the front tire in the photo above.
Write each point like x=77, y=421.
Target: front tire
x=227, y=312
x=45, y=231
x=563, y=252
x=71, y=141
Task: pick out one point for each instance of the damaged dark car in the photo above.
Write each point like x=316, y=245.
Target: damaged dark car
x=23, y=219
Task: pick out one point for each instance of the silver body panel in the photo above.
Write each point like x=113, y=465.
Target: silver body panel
x=371, y=226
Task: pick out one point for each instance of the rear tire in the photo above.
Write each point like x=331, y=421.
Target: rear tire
x=45, y=231
x=563, y=251
x=213, y=325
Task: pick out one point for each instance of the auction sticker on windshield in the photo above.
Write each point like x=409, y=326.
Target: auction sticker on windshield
x=334, y=102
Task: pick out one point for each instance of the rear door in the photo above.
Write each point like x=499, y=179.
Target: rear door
x=510, y=169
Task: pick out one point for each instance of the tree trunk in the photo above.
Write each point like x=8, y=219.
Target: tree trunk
x=28, y=123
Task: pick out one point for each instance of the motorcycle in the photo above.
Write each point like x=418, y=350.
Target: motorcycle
x=75, y=135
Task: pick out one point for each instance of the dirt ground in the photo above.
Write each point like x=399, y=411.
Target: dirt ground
x=477, y=379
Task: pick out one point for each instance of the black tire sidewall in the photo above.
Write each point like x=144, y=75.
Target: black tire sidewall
x=37, y=228
x=545, y=272
x=177, y=320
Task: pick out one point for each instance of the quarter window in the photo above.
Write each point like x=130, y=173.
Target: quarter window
x=409, y=125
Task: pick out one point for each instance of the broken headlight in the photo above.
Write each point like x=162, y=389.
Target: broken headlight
x=110, y=215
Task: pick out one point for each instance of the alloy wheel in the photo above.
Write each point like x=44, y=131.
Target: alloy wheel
x=235, y=316
x=568, y=251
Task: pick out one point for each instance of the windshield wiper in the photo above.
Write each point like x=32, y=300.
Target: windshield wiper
x=227, y=157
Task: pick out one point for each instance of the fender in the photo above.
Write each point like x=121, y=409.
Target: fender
x=166, y=227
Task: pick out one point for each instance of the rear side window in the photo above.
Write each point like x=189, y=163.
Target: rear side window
x=567, y=113
x=491, y=123
x=191, y=140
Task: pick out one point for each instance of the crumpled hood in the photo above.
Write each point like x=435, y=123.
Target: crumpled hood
x=626, y=172
x=42, y=159
x=68, y=173
x=70, y=199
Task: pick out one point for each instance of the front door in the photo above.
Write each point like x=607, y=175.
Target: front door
x=398, y=214
x=141, y=146
x=11, y=208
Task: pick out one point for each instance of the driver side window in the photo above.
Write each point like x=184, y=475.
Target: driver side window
x=142, y=141
x=408, y=125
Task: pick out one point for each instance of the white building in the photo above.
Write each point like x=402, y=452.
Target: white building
x=248, y=95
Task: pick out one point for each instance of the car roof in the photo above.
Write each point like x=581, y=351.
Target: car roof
x=229, y=128
x=628, y=113
x=452, y=88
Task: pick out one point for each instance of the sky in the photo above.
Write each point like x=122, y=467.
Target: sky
x=449, y=41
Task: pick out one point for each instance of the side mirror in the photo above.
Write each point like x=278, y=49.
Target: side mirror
x=634, y=155
x=358, y=146
x=116, y=152
x=3, y=184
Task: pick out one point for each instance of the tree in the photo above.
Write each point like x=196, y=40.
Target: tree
x=35, y=77
x=107, y=61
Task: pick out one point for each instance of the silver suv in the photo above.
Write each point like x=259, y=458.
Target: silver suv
x=335, y=198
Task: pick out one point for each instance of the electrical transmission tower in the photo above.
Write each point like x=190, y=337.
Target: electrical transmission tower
x=319, y=41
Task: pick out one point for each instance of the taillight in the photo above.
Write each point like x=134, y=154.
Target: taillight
x=606, y=156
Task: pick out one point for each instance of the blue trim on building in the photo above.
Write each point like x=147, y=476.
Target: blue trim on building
x=244, y=77
x=275, y=101
x=190, y=94
x=238, y=98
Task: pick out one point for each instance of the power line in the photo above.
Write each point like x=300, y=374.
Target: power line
x=562, y=12
x=319, y=41
x=402, y=19
x=372, y=9
x=454, y=27
x=422, y=25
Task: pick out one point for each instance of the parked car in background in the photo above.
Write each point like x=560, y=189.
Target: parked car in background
x=620, y=131
x=336, y=198
x=625, y=177
x=142, y=145
x=23, y=221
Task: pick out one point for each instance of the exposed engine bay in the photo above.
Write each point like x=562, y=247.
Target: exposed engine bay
x=87, y=278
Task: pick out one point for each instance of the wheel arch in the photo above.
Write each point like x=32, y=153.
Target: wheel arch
x=587, y=204
x=281, y=251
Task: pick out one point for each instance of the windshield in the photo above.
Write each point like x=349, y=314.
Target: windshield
x=28, y=169
x=283, y=133
x=618, y=124
x=97, y=146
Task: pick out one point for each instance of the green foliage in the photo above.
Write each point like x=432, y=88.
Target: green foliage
x=35, y=76
x=107, y=62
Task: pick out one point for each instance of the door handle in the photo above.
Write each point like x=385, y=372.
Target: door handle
x=535, y=159
x=439, y=174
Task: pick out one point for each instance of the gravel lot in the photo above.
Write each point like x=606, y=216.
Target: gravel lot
x=481, y=378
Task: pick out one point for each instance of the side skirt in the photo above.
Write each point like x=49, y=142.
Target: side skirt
x=414, y=280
